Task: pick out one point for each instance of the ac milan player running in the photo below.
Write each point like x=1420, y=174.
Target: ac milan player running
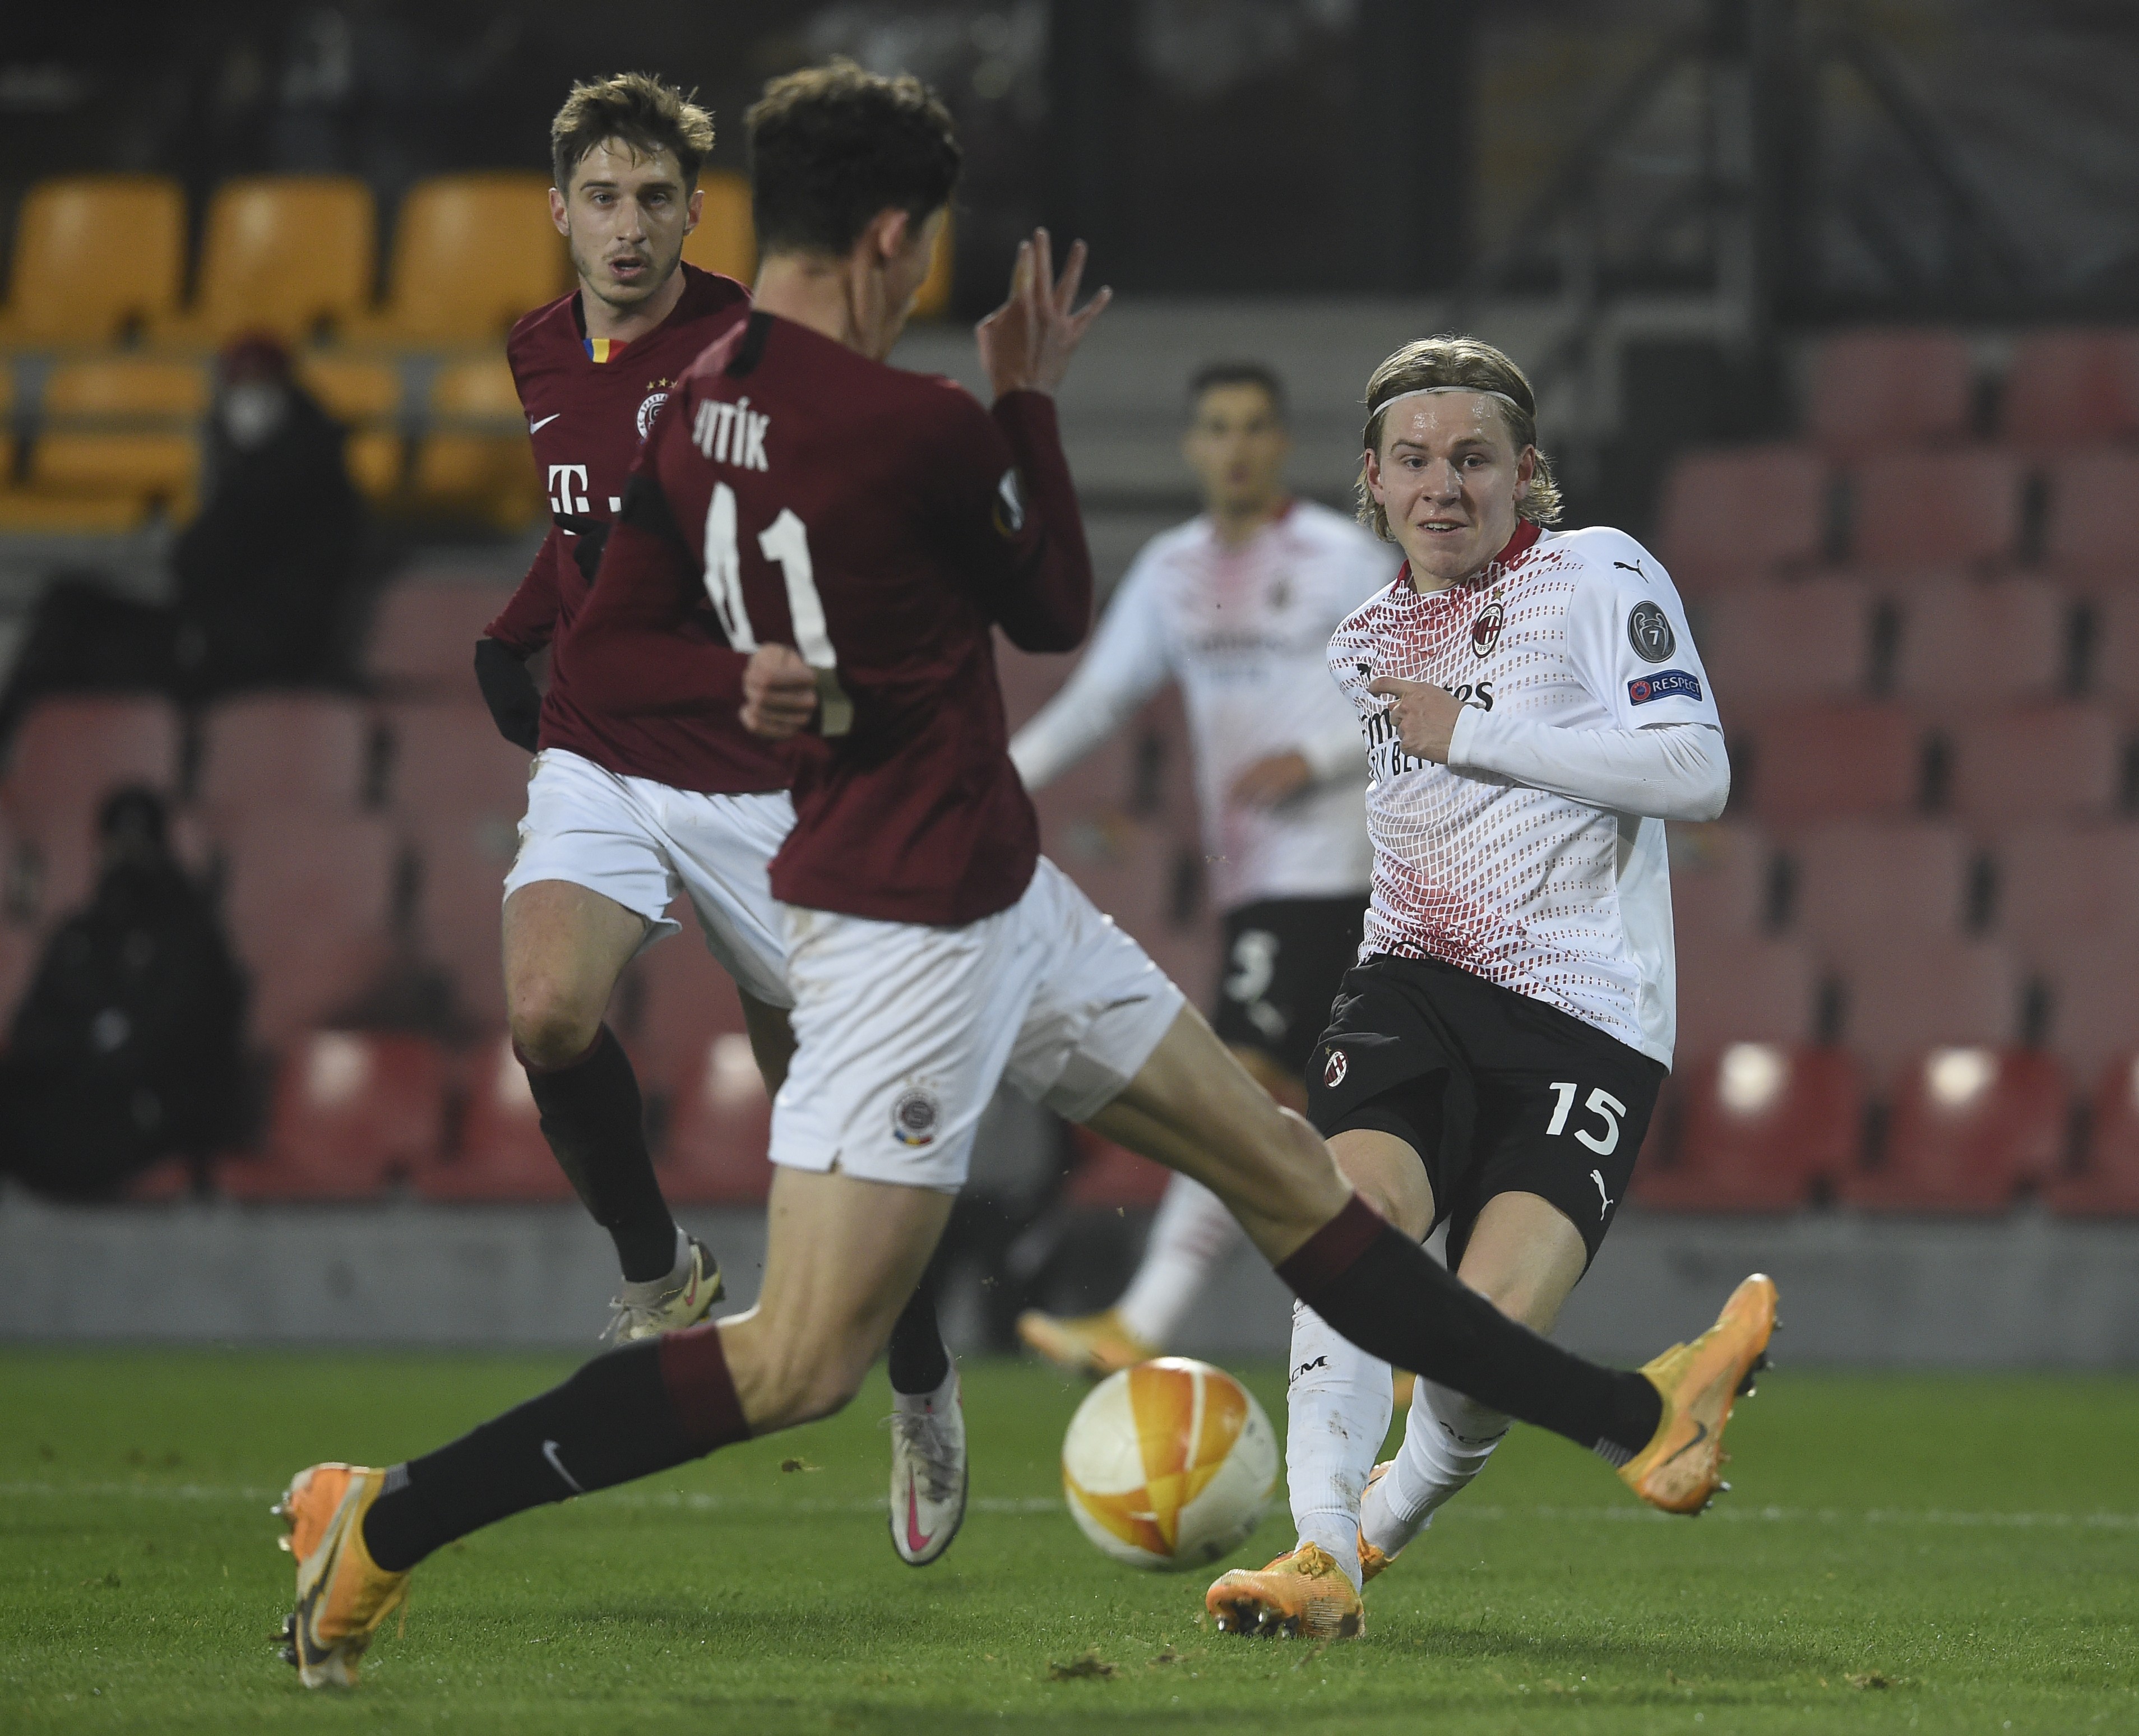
x=1237, y=605
x=1534, y=711
x=868, y=529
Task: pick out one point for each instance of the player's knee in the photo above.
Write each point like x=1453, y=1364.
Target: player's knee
x=550, y=1027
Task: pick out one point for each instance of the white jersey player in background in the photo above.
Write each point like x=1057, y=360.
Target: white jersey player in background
x=1533, y=711
x=1237, y=606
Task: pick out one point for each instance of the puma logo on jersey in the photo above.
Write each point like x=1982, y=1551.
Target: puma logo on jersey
x=1632, y=566
x=1597, y=1176
x=730, y=433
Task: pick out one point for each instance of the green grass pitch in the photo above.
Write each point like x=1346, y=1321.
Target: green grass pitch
x=1926, y=1553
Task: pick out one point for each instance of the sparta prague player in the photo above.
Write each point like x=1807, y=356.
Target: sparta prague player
x=1535, y=711
x=860, y=532
x=1237, y=606
x=600, y=857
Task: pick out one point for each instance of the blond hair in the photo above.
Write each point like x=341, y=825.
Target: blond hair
x=1466, y=364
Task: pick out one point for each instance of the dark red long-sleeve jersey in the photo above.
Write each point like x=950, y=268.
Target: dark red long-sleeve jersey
x=883, y=523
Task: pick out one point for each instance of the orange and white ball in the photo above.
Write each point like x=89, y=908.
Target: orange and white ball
x=1169, y=1465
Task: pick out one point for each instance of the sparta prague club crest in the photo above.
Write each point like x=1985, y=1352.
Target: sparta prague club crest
x=914, y=1117
x=1486, y=630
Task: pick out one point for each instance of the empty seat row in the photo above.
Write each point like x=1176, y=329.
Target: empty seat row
x=98, y=258
x=1735, y=516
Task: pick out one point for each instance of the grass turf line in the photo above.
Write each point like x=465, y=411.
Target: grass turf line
x=1970, y=1541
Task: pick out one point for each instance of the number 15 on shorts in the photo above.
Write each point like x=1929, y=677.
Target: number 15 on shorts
x=1606, y=1107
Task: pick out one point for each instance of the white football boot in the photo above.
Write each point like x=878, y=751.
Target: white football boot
x=928, y=1472
x=684, y=1298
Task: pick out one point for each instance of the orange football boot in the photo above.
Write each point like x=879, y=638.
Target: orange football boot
x=1679, y=1470
x=1372, y=1561
x=343, y=1595
x=1094, y=1345
x=1302, y=1596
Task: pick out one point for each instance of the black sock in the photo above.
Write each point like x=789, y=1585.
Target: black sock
x=1393, y=1300
x=611, y=1422
x=919, y=1362
x=593, y=1119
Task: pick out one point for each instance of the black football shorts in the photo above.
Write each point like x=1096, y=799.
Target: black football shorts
x=1282, y=961
x=1497, y=1091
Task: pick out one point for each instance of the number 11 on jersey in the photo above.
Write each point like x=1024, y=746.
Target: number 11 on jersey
x=786, y=542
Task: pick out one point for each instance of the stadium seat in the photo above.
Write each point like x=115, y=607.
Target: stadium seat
x=1903, y=997
x=351, y=1111
x=1775, y=644
x=1028, y=681
x=2087, y=538
x=502, y=1154
x=1964, y=644
x=1721, y=879
x=472, y=253
x=365, y=398
x=1745, y=990
x=1875, y=389
x=932, y=299
x=2091, y=979
x=121, y=428
x=2115, y=656
x=95, y=257
x=289, y=753
x=2107, y=1182
x=2036, y=763
x=2059, y=887
x=1936, y=509
x=1971, y=1126
x=475, y=461
x=310, y=906
x=1131, y=870
x=1858, y=883
x=289, y=254
x=69, y=754
x=725, y=240
x=677, y=1001
x=18, y=951
x=719, y=1124
x=423, y=635
x=1817, y=762
x=1760, y=1126
x=2072, y=388
x=1107, y=1175
x=1733, y=517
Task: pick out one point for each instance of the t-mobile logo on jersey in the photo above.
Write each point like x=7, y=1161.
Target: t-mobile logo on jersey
x=730, y=433
x=568, y=488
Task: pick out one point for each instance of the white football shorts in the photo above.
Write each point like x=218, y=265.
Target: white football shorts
x=640, y=843
x=902, y=1031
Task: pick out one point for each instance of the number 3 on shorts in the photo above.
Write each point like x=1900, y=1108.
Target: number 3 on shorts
x=786, y=543
x=1602, y=1104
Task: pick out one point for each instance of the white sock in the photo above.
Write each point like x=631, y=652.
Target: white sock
x=1447, y=1440
x=1190, y=1234
x=1337, y=1410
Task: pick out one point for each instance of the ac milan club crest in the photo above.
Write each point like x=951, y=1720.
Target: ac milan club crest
x=1486, y=630
x=1333, y=1075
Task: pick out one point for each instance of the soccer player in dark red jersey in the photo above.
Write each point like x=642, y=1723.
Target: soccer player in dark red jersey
x=813, y=538
x=602, y=852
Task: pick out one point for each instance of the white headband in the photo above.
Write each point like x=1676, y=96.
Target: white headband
x=1429, y=391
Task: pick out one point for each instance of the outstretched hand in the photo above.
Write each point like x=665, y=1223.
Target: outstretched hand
x=1025, y=344
x=1424, y=715
x=779, y=693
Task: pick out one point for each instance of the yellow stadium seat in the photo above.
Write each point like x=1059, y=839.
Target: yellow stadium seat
x=365, y=397
x=287, y=254
x=725, y=240
x=121, y=428
x=95, y=255
x=472, y=253
x=934, y=299
x=475, y=459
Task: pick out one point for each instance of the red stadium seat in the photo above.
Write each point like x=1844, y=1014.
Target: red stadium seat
x=1914, y=512
x=1747, y=990
x=1814, y=762
x=2074, y=388
x=2107, y=1184
x=285, y=752
x=1971, y=1126
x=1029, y=680
x=1875, y=389
x=424, y=635
x=2060, y=885
x=2092, y=980
x=2088, y=535
x=309, y=907
x=1964, y=644
x=2037, y=763
x=1735, y=516
x=1720, y=876
x=1129, y=870
x=1785, y=644
x=720, y=1124
x=1761, y=1125
x=676, y=1000
x=1108, y=1175
x=69, y=754
x=351, y=1111
x=1903, y=997
x=2115, y=656
x=502, y=1155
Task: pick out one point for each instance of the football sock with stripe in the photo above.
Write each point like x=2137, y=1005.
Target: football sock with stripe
x=1447, y=1440
x=1394, y=1300
x=594, y=1123
x=919, y=1362
x=1337, y=1410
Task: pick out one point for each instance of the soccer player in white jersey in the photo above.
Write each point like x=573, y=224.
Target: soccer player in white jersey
x=1533, y=711
x=1237, y=606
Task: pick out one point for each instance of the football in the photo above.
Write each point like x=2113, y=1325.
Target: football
x=1169, y=1465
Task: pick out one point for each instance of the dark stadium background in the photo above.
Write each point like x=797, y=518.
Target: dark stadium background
x=1835, y=306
